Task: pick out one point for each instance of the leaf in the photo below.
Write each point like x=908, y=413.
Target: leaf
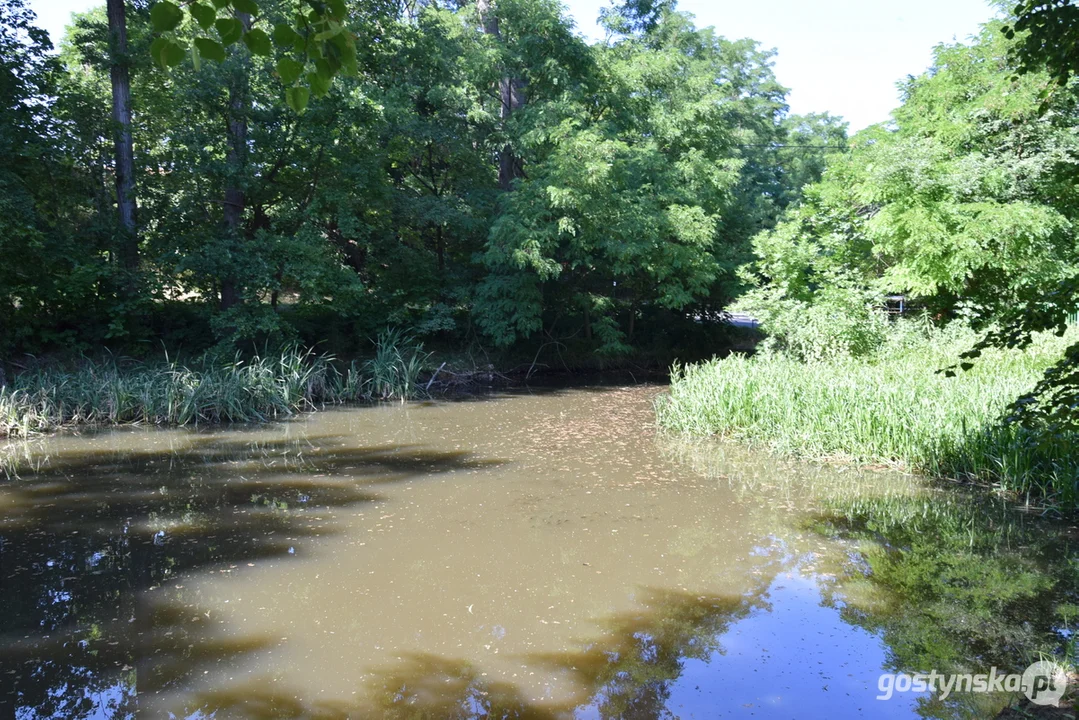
x=345, y=48
x=289, y=70
x=166, y=52
x=204, y=15
x=332, y=29
x=174, y=52
x=246, y=6
x=337, y=8
x=350, y=66
x=196, y=58
x=331, y=60
x=165, y=16
x=230, y=30
x=155, y=50
x=220, y=4
x=297, y=98
x=210, y=49
x=258, y=42
x=319, y=84
x=284, y=35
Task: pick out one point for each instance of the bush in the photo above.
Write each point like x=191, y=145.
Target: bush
x=839, y=321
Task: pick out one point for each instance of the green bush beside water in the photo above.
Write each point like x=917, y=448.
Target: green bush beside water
x=892, y=406
x=209, y=390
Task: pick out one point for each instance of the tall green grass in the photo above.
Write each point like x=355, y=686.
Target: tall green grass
x=394, y=371
x=893, y=408
x=255, y=389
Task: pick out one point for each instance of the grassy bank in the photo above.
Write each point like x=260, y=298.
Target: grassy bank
x=893, y=408
x=207, y=390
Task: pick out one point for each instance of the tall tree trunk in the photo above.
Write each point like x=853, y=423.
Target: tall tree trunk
x=512, y=97
x=440, y=251
x=509, y=165
x=236, y=159
x=121, y=117
x=487, y=18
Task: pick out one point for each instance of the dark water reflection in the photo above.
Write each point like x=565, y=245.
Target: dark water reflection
x=92, y=550
x=522, y=557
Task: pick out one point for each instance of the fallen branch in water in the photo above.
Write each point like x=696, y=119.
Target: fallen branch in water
x=433, y=376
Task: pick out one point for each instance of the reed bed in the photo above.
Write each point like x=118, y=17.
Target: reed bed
x=893, y=408
x=254, y=389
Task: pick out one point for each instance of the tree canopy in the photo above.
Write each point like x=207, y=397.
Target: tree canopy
x=965, y=204
x=476, y=172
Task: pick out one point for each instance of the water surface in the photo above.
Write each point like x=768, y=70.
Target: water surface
x=528, y=555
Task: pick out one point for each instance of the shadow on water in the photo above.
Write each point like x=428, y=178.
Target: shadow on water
x=93, y=549
x=628, y=674
x=627, y=670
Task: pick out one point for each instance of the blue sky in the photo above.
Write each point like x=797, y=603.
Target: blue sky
x=840, y=56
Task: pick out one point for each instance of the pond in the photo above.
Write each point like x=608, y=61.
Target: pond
x=536, y=554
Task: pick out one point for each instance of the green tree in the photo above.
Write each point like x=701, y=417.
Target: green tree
x=1048, y=38
x=422, y=191
x=316, y=40
x=966, y=204
x=634, y=203
x=53, y=279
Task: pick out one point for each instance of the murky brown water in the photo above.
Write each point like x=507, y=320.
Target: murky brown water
x=531, y=555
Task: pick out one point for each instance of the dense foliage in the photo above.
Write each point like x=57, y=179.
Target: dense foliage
x=964, y=205
x=961, y=211
x=477, y=173
x=966, y=201
x=1048, y=34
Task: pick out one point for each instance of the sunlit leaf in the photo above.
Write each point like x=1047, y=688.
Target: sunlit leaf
x=289, y=70
x=297, y=98
x=320, y=85
x=230, y=30
x=167, y=52
x=165, y=16
x=204, y=15
x=210, y=49
x=246, y=6
x=284, y=35
x=258, y=42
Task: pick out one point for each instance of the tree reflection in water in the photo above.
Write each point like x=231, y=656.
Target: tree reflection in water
x=959, y=583
x=97, y=621
x=950, y=578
